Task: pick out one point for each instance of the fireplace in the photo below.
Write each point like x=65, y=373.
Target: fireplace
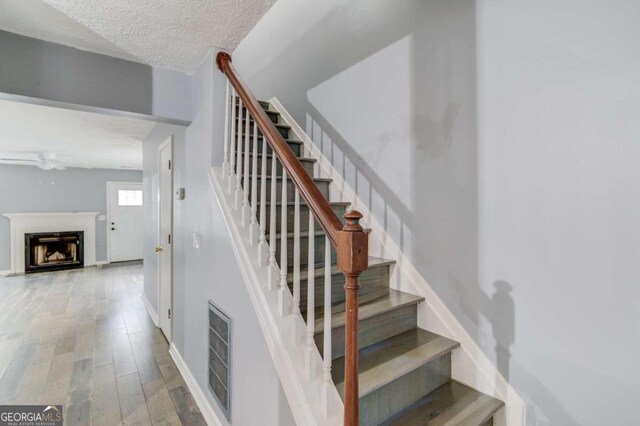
x=53, y=251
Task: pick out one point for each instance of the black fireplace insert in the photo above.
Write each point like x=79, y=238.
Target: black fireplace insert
x=53, y=251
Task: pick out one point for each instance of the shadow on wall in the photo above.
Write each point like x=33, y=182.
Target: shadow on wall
x=392, y=102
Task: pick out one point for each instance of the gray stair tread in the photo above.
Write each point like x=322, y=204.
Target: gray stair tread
x=266, y=110
x=282, y=125
x=288, y=178
x=291, y=203
x=303, y=234
x=309, y=160
x=386, y=361
x=293, y=141
x=374, y=262
x=370, y=305
x=451, y=404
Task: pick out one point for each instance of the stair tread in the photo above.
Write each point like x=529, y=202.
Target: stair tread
x=288, y=178
x=451, y=404
x=310, y=160
x=293, y=141
x=266, y=110
x=374, y=262
x=387, y=361
x=283, y=125
x=370, y=306
x=291, y=203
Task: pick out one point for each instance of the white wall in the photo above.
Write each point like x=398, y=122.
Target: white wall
x=28, y=189
x=498, y=142
x=211, y=272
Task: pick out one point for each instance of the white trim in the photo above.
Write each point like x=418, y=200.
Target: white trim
x=102, y=262
x=303, y=393
x=22, y=223
x=199, y=397
x=96, y=110
x=469, y=364
x=110, y=184
x=168, y=142
x=152, y=313
x=5, y=273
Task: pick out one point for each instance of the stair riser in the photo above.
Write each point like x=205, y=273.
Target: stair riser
x=373, y=330
x=304, y=216
x=308, y=166
x=273, y=116
x=295, y=147
x=285, y=132
x=392, y=398
x=323, y=186
x=372, y=280
x=319, y=243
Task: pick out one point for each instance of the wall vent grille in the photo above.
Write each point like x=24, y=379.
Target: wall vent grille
x=220, y=358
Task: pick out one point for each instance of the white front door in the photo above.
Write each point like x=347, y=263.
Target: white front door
x=124, y=225
x=164, y=246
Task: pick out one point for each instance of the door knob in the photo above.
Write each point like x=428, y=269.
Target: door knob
x=158, y=249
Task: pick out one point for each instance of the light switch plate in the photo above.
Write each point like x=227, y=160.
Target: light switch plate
x=102, y=218
x=196, y=240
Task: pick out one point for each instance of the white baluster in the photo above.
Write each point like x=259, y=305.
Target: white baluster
x=227, y=107
x=327, y=325
x=283, y=248
x=311, y=293
x=246, y=182
x=239, y=149
x=253, y=227
x=262, y=244
x=296, y=258
x=232, y=153
x=273, y=277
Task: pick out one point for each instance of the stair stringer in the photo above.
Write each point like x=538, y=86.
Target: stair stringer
x=299, y=368
x=470, y=365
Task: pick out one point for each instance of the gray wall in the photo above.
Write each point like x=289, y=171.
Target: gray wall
x=497, y=142
x=40, y=69
x=28, y=189
x=211, y=272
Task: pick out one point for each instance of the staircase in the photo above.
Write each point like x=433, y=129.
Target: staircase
x=404, y=372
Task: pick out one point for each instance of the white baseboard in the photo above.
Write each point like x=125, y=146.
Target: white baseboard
x=5, y=273
x=101, y=262
x=150, y=310
x=205, y=407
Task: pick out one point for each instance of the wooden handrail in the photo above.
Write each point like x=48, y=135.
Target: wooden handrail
x=302, y=180
x=349, y=240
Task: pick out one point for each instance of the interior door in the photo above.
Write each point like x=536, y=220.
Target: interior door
x=164, y=246
x=125, y=219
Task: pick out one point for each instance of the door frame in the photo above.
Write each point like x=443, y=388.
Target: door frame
x=167, y=143
x=110, y=185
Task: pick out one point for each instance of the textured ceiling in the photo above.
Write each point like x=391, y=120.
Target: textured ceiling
x=79, y=139
x=172, y=34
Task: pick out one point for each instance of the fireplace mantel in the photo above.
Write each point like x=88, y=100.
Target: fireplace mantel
x=24, y=223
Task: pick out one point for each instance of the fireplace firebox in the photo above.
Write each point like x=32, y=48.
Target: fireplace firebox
x=53, y=251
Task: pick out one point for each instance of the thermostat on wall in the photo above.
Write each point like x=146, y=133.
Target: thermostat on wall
x=180, y=193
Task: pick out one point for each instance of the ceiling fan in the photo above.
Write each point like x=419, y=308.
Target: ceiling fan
x=43, y=160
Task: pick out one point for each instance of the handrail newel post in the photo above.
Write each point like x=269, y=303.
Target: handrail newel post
x=352, y=259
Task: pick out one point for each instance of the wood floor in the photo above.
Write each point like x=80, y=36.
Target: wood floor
x=84, y=339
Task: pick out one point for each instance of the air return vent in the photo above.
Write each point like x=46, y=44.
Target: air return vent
x=220, y=358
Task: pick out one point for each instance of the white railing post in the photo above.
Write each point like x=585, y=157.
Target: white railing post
x=225, y=161
x=246, y=182
x=262, y=243
x=239, y=149
x=233, y=136
x=296, y=257
x=273, y=276
x=283, y=248
x=311, y=295
x=327, y=326
x=253, y=227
